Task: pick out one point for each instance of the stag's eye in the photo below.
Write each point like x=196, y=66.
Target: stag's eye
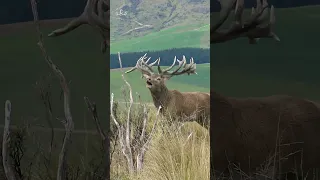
x=158, y=79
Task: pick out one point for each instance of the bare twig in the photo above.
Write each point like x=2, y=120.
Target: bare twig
x=128, y=117
x=146, y=141
x=17, y=150
x=105, y=140
x=68, y=123
x=93, y=109
x=44, y=87
x=6, y=160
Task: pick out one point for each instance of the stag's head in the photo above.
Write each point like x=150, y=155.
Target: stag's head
x=155, y=82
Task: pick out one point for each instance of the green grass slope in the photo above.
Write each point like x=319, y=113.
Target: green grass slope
x=199, y=82
x=182, y=36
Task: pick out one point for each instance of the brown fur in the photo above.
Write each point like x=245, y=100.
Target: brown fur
x=248, y=127
x=179, y=103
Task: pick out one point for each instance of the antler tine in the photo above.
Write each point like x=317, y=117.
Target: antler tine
x=257, y=26
x=87, y=17
x=259, y=6
x=253, y=11
x=238, y=12
x=149, y=66
x=187, y=68
x=137, y=64
x=167, y=69
x=271, y=23
x=226, y=8
x=142, y=65
x=132, y=69
x=264, y=11
x=181, y=63
x=257, y=13
x=147, y=60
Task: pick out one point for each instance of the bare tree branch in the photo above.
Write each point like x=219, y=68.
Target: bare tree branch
x=93, y=109
x=68, y=123
x=130, y=161
x=44, y=88
x=105, y=140
x=146, y=141
x=6, y=160
x=259, y=25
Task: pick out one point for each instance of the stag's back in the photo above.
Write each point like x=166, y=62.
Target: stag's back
x=254, y=125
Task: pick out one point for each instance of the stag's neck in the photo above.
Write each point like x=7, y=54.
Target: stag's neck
x=161, y=98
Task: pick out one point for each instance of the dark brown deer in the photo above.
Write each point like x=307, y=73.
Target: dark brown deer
x=180, y=104
x=249, y=130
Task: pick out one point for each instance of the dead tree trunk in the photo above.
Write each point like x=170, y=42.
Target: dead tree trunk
x=68, y=122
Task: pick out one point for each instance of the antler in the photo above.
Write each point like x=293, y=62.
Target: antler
x=96, y=13
x=254, y=28
x=143, y=66
x=187, y=68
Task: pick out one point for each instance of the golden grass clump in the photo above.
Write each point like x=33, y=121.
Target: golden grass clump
x=178, y=152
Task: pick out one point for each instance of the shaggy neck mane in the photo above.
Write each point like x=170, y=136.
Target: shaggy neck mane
x=161, y=97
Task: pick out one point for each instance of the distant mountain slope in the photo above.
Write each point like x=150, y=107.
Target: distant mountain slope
x=159, y=14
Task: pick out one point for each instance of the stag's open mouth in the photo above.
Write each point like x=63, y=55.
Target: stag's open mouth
x=149, y=84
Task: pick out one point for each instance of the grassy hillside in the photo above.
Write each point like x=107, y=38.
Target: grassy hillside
x=194, y=36
x=200, y=82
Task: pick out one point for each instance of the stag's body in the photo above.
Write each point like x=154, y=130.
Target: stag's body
x=182, y=105
x=243, y=128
